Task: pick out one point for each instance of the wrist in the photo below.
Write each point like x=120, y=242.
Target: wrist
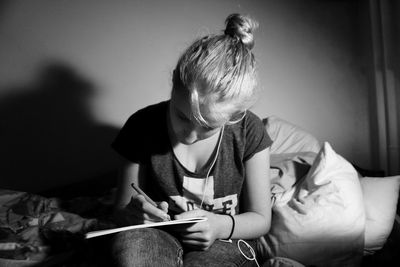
x=227, y=227
x=232, y=228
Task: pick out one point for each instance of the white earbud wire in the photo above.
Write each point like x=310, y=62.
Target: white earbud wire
x=212, y=165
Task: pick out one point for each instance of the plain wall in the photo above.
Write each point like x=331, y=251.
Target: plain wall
x=71, y=72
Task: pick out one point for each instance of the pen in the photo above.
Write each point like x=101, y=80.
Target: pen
x=148, y=199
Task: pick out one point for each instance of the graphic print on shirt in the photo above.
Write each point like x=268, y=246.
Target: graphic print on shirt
x=193, y=195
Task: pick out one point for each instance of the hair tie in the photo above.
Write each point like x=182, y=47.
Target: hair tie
x=233, y=226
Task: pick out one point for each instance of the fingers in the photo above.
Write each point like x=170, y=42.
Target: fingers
x=200, y=230
x=196, y=241
x=199, y=236
x=146, y=211
x=191, y=214
x=195, y=227
x=187, y=229
x=163, y=206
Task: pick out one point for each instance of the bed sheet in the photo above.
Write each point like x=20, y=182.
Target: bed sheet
x=34, y=228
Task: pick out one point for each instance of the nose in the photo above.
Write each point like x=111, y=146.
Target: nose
x=190, y=135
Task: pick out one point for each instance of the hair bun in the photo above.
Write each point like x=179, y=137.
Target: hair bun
x=241, y=27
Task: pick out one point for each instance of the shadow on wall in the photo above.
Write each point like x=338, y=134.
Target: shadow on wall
x=48, y=137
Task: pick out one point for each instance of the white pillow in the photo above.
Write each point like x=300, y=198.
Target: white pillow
x=321, y=220
x=289, y=138
x=380, y=199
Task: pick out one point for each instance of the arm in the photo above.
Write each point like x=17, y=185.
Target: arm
x=131, y=207
x=256, y=219
x=252, y=223
x=128, y=174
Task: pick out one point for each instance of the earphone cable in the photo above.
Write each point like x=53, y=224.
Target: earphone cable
x=212, y=165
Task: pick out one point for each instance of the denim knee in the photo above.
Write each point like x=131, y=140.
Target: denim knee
x=146, y=247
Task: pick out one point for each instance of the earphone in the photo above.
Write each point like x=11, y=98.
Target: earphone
x=212, y=165
x=253, y=254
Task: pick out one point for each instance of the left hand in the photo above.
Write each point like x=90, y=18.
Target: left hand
x=201, y=235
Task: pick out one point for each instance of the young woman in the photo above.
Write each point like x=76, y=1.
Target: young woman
x=200, y=154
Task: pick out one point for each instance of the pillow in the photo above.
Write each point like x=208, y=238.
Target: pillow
x=380, y=200
x=321, y=219
x=289, y=138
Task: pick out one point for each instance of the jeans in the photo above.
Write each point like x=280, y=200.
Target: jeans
x=155, y=247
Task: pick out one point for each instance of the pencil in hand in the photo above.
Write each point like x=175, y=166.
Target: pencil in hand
x=147, y=198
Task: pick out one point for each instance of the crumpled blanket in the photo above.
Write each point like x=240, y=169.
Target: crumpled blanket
x=33, y=227
x=287, y=170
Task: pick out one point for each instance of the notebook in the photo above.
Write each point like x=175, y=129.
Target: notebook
x=146, y=225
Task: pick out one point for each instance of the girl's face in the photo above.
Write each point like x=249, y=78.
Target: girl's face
x=184, y=126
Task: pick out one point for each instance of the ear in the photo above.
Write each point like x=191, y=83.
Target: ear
x=176, y=77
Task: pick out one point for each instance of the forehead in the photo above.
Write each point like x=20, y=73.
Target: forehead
x=182, y=104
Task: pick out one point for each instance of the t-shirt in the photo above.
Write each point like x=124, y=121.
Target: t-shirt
x=144, y=139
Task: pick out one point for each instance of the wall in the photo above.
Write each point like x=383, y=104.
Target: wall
x=385, y=90
x=396, y=26
x=391, y=39
x=71, y=72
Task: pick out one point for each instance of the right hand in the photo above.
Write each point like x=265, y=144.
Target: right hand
x=139, y=211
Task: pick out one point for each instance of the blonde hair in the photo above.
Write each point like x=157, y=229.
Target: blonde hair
x=219, y=72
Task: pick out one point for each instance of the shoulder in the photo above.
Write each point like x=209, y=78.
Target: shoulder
x=254, y=134
x=152, y=112
x=255, y=128
x=147, y=122
x=252, y=120
x=251, y=123
x=142, y=131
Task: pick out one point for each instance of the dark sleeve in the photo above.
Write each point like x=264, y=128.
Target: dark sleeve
x=257, y=138
x=127, y=143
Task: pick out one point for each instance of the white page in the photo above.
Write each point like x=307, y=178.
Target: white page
x=126, y=228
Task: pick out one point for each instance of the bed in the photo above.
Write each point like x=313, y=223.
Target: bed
x=326, y=212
